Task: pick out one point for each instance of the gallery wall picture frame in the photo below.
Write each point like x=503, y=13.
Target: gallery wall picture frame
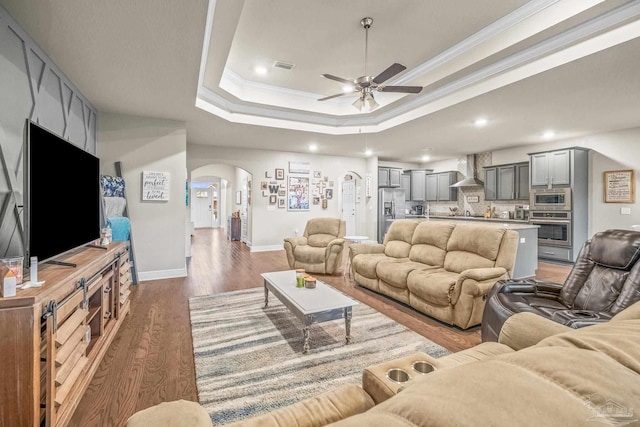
x=329, y=194
x=298, y=167
x=280, y=174
x=238, y=197
x=619, y=186
x=263, y=185
x=282, y=202
x=298, y=190
x=273, y=199
x=317, y=174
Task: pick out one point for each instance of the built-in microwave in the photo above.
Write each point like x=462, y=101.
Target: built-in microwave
x=550, y=199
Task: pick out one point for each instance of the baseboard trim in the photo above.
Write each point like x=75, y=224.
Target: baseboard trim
x=162, y=274
x=266, y=248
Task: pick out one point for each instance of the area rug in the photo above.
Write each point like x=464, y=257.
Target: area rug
x=249, y=359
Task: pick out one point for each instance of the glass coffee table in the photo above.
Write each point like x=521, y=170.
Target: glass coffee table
x=309, y=305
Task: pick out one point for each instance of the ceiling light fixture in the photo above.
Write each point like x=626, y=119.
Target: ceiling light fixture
x=368, y=152
x=426, y=158
x=366, y=99
x=366, y=84
x=313, y=147
x=260, y=70
x=347, y=89
x=548, y=134
x=481, y=122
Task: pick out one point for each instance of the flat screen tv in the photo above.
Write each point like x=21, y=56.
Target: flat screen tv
x=62, y=195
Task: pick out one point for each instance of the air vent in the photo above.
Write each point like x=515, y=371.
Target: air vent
x=283, y=65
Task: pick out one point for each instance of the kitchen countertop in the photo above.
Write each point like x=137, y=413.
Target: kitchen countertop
x=513, y=224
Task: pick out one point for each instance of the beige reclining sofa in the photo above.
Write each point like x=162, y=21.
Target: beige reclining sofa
x=439, y=268
x=540, y=373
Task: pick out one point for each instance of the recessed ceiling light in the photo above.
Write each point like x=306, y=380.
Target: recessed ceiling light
x=548, y=134
x=426, y=158
x=313, y=147
x=260, y=70
x=481, y=122
x=368, y=152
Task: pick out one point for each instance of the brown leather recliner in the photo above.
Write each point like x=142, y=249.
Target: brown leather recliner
x=604, y=280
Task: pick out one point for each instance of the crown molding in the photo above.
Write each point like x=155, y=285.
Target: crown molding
x=600, y=33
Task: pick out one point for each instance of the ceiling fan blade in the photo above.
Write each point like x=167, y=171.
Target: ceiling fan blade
x=338, y=79
x=388, y=73
x=335, y=96
x=401, y=89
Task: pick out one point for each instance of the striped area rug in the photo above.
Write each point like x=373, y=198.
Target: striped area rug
x=249, y=359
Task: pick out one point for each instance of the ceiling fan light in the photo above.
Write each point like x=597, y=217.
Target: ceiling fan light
x=359, y=103
x=371, y=102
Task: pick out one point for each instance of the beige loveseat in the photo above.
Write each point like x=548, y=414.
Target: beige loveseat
x=319, y=250
x=439, y=268
x=540, y=373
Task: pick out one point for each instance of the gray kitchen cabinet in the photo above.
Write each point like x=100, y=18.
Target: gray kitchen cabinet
x=389, y=177
x=507, y=182
x=491, y=183
x=431, y=184
x=383, y=177
x=417, y=185
x=445, y=191
x=522, y=181
x=438, y=187
x=406, y=186
x=551, y=168
x=395, y=179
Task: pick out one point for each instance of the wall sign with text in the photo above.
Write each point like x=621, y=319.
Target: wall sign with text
x=619, y=187
x=155, y=186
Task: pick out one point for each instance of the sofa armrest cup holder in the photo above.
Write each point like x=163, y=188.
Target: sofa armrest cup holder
x=398, y=376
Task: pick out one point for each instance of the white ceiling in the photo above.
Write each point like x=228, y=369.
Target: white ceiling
x=567, y=65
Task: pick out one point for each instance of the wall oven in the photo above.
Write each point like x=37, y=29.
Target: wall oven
x=550, y=199
x=555, y=227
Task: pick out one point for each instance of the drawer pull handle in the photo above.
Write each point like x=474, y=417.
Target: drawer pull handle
x=107, y=314
x=550, y=253
x=107, y=289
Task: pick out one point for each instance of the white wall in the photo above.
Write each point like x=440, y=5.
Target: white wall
x=148, y=144
x=268, y=224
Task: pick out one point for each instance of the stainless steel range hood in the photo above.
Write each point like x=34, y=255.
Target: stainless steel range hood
x=471, y=179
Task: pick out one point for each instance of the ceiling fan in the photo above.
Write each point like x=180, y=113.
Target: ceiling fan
x=365, y=85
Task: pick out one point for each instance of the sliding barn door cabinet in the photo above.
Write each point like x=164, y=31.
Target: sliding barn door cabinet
x=54, y=337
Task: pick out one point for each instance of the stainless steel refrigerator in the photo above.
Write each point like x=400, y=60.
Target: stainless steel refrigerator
x=390, y=208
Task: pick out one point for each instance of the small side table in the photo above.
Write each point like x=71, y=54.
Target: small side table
x=352, y=239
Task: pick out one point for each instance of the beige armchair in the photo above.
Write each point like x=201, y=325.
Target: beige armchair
x=319, y=250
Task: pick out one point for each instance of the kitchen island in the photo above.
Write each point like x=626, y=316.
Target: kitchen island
x=527, y=255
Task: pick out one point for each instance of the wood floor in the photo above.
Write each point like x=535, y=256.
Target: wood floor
x=151, y=359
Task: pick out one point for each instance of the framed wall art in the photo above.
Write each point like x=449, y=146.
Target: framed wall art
x=280, y=174
x=298, y=193
x=155, y=186
x=619, y=186
x=299, y=167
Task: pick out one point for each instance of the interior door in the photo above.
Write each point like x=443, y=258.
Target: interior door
x=349, y=206
x=201, y=205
